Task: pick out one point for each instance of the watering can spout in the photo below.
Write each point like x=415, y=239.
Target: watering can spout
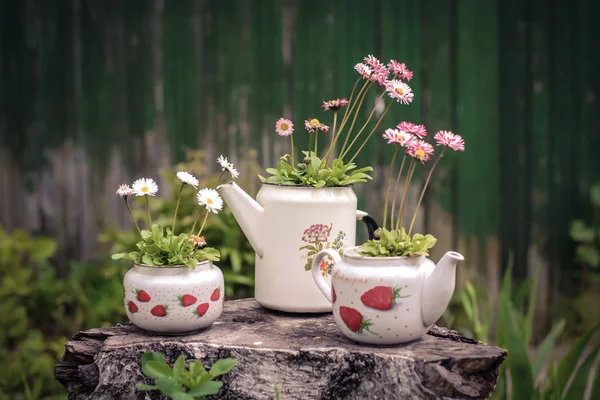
x=438, y=288
x=248, y=213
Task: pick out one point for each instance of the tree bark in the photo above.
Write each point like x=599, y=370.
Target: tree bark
x=304, y=355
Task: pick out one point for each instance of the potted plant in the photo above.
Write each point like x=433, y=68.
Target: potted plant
x=386, y=291
x=307, y=203
x=173, y=287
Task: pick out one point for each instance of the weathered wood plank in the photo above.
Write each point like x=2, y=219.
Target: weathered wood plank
x=306, y=356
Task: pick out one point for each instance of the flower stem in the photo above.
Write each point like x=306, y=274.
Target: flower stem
x=203, y=223
x=396, y=191
x=148, y=210
x=387, y=189
x=331, y=145
x=365, y=124
x=220, y=177
x=176, y=209
x=352, y=106
x=409, y=174
x=195, y=221
x=131, y=215
x=317, y=142
x=412, y=222
x=310, y=137
x=370, y=134
x=292, y=140
x=362, y=98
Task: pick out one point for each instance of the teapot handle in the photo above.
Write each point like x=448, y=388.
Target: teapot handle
x=370, y=222
x=320, y=280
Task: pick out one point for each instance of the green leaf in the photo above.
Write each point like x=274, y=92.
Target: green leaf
x=206, y=389
x=580, y=381
x=181, y=396
x=143, y=387
x=119, y=256
x=152, y=356
x=157, y=369
x=596, y=384
x=197, y=369
x=146, y=259
x=546, y=346
x=167, y=385
x=178, y=367
x=222, y=367
x=146, y=234
x=43, y=249
x=570, y=361
x=518, y=363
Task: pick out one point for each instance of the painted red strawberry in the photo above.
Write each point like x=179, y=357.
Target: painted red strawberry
x=333, y=294
x=216, y=295
x=186, y=300
x=133, y=308
x=201, y=309
x=354, y=320
x=142, y=296
x=159, y=311
x=381, y=297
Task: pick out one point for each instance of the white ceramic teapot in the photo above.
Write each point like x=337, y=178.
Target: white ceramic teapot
x=386, y=300
x=286, y=226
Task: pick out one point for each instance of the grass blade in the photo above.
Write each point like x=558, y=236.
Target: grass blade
x=580, y=381
x=546, y=346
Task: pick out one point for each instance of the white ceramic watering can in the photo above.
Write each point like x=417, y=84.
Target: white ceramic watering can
x=287, y=226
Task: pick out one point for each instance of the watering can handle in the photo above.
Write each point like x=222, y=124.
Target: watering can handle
x=369, y=221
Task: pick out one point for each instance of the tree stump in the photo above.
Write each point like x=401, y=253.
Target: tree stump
x=305, y=355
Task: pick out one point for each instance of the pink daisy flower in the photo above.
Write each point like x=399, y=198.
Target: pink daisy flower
x=334, y=105
x=400, y=91
x=402, y=138
x=407, y=139
x=284, y=127
x=376, y=65
x=324, y=128
x=421, y=150
x=312, y=124
x=392, y=135
x=400, y=70
x=418, y=130
x=449, y=139
x=363, y=70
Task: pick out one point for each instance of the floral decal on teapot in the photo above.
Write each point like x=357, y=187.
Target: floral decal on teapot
x=317, y=237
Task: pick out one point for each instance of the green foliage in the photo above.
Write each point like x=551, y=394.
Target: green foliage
x=221, y=231
x=587, y=236
x=532, y=375
x=397, y=243
x=161, y=247
x=181, y=383
x=316, y=173
x=40, y=310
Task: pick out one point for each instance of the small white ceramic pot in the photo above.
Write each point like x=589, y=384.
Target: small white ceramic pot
x=174, y=299
x=386, y=300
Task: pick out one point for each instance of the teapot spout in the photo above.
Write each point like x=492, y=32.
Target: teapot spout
x=247, y=212
x=438, y=288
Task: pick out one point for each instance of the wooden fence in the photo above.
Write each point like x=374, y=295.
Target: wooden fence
x=95, y=92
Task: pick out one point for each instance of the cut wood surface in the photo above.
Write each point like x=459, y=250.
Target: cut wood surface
x=304, y=354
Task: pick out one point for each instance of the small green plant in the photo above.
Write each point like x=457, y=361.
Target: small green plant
x=312, y=173
x=181, y=382
x=161, y=247
x=397, y=243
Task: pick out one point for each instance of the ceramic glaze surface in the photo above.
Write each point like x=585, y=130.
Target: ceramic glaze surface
x=287, y=226
x=386, y=300
x=174, y=299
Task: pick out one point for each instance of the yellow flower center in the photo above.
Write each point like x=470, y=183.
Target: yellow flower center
x=145, y=189
x=314, y=122
x=420, y=153
x=399, y=91
x=284, y=127
x=209, y=201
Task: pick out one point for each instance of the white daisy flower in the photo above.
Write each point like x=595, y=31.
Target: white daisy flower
x=124, y=190
x=144, y=187
x=211, y=199
x=226, y=165
x=187, y=178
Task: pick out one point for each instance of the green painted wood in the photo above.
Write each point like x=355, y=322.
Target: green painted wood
x=477, y=120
